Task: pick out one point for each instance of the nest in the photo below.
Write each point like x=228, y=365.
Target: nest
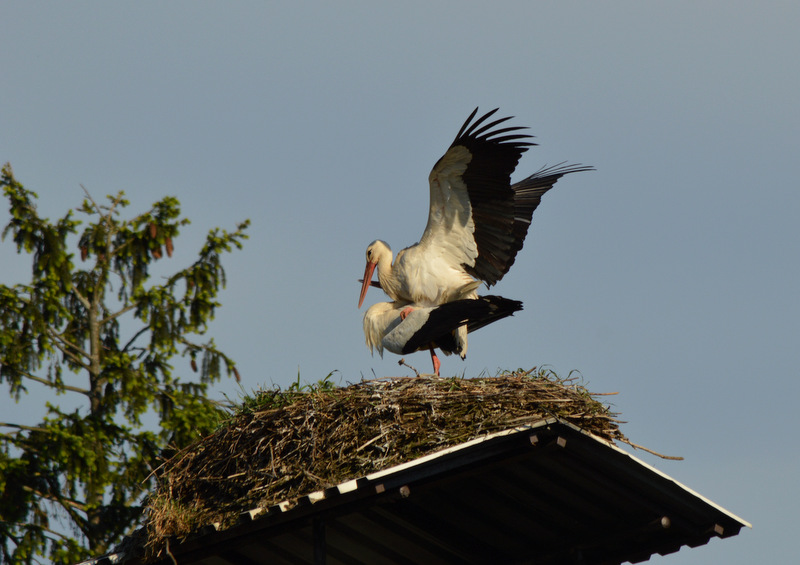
x=282, y=445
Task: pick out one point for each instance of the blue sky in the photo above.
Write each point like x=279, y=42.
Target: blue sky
x=670, y=274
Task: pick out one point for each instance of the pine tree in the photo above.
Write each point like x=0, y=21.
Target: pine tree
x=101, y=331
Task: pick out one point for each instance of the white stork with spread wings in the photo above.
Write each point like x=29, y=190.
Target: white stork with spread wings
x=477, y=221
x=403, y=329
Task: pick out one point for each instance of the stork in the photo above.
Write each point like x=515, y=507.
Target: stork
x=403, y=328
x=477, y=220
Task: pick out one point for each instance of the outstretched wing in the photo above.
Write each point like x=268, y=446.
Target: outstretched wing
x=495, y=259
x=472, y=212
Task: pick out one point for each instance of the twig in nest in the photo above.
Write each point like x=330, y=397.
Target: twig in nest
x=402, y=362
x=650, y=451
x=175, y=561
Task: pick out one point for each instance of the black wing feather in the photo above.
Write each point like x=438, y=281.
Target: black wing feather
x=501, y=211
x=495, y=154
x=446, y=318
x=527, y=196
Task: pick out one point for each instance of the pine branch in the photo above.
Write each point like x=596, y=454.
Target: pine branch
x=135, y=337
x=117, y=314
x=83, y=300
x=72, y=508
x=38, y=527
x=64, y=345
x=51, y=384
x=21, y=427
x=67, y=503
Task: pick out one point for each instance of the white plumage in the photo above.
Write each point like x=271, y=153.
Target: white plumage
x=477, y=222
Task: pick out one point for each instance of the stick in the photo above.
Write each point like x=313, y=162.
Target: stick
x=650, y=451
x=402, y=362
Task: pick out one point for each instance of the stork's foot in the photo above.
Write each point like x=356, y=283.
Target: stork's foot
x=405, y=312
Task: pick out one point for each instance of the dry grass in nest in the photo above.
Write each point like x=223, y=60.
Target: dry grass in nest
x=285, y=444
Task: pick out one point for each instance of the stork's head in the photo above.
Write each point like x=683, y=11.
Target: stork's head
x=376, y=251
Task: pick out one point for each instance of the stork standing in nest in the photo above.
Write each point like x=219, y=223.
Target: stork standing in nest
x=477, y=222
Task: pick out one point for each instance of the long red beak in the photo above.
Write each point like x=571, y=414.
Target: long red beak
x=367, y=278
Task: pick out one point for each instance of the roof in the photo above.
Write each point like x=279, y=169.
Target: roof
x=541, y=493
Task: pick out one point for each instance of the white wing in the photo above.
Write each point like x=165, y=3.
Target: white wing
x=471, y=218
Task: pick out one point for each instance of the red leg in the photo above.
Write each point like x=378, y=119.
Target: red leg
x=405, y=312
x=436, y=362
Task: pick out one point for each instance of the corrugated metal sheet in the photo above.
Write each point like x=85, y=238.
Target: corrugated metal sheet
x=543, y=494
